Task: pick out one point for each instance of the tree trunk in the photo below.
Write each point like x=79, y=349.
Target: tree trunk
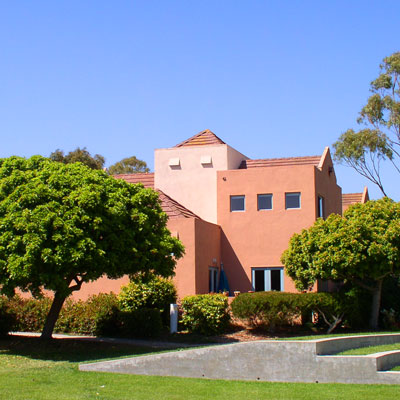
x=52, y=316
x=376, y=305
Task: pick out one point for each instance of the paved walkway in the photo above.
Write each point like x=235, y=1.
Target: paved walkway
x=138, y=342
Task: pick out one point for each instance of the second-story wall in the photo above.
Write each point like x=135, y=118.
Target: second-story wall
x=188, y=175
x=255, y=238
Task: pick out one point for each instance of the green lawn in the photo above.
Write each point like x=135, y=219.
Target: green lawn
x=362, y=351
x=332, y=335
x=30, y=369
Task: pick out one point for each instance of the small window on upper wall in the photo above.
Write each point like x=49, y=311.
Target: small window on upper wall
x=292, y=200
x=264, y=202
x=237, y=203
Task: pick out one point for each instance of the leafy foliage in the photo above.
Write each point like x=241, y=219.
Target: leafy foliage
x=148, y=291
x=7, y=318
x=380, y=140
x=79, y=155
x=99, y=315
x=206, y=314
x=65, y=224
x=275, y=310
x=363, y=247
x=267, y=309
x=129, y=165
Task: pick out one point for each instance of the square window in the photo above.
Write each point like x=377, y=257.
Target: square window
x=237, y=203
x=264, y=201
x=292, y=200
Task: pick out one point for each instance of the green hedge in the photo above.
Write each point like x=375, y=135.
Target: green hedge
x=272, y=310
x=206, y=314
x=268, y=309
x=7, y=318
x=99, y=316
x=148, y=291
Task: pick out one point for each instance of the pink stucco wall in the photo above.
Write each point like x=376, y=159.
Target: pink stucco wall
x=255, y=238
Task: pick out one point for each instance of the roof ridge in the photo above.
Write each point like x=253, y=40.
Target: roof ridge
x=284, y=158
x=208, y=137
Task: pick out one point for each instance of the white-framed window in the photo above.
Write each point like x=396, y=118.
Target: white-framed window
x=267, y=279
x=292, y=200
x=321, y=207
x=237, y=203
x=264, y=201
x=212, y=279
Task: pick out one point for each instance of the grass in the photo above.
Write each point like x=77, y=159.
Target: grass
x=36, y=370
x=332, y=335
x=362, y=351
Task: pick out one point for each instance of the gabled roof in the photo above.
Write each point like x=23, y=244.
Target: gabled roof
x=274, y=162
x=349, y=199
x=170, y=206
x=146, y=179
x=203, y=138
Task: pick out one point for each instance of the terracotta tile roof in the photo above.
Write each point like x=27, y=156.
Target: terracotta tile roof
x=174, y=209
x=351, y=198
x=170, y=206
x=147, y=179
x=274, y=162
x=203, y=138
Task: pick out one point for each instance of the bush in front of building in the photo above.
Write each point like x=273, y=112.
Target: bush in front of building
x=276, y=310
x=87, y=317
x=30, y=314
x=148, y=291
x=206, y=314
x=268, y=310
x=99, y=315
x=7, y=318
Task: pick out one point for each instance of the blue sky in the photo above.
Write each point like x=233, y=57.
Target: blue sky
x=271, y=78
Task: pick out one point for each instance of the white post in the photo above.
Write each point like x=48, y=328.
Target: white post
x=173, y=312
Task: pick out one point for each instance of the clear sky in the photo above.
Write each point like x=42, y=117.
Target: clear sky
x=270, y=78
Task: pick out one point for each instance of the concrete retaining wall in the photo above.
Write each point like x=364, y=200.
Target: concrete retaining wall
x=280, y=361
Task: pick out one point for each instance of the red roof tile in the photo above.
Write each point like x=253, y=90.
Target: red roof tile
x=170, y=206
x=147, y=179
x=351, y=198
x=203, y=138
x=274, y=162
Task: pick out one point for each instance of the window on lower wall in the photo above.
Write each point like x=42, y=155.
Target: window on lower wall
x=212, y=279
x=237, y=203
x=266, y=279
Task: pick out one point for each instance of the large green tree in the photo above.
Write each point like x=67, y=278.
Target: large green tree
x=362, y=247
x=65, y=224
x=129, y=165
x=79, y=155
x=379, y=139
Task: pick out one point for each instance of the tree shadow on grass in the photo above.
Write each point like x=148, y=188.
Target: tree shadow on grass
x=71, y=350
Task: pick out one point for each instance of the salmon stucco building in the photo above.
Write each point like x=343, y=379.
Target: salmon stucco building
x=235, y=215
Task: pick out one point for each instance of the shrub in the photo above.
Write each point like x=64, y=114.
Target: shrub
x=206, y=314
x=268, y=309
x=142, y=323
x=30, y=313
x=149, y=291
x=83, y=317
x=276, y=309
x=7, y=318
